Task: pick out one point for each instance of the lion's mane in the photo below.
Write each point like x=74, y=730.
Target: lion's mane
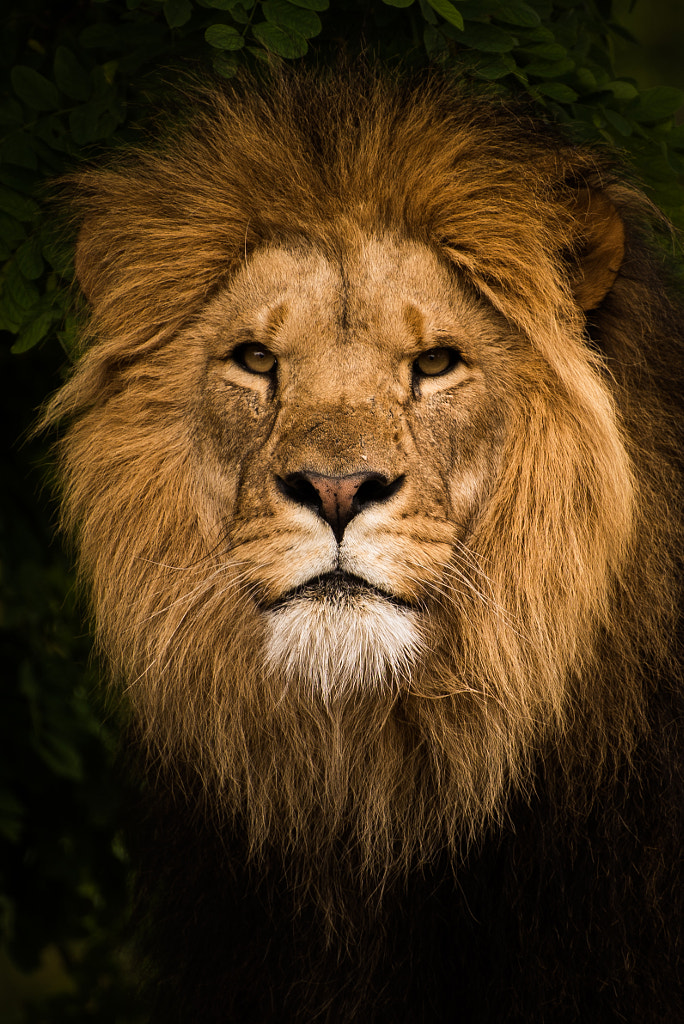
x=558, y=619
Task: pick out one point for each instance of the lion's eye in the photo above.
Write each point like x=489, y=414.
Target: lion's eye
x=255, y=358
x=435, y=362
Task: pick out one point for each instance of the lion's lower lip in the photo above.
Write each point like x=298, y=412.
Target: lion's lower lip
x=337, y=585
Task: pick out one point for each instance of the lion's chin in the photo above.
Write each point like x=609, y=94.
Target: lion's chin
x=336, y=636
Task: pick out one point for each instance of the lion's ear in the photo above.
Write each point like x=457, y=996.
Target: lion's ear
x=602, y=247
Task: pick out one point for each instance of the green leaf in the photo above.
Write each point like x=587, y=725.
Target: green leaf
x=623, y=32
x=224, y=37
x=322, y=5
x=488, y=38
x=226, y=67
x=539, y=35
x=283, y=43
x=428, y=14
x=495, y=68
x=107, y=125
x=51, y=129
x=549, y=69
x=448, y=12
x=70, y=337
x=620, y=123
x=657, y=104
x=398, y=3
x=104, y=75
x=263, y=56
x=237, y=8
x=557, y=91
x=177, y=12
x=71, y=77
x=586, y=79
x=602, y=78
x=292, y=19
x=34, y=332
x=19, y=296
x=29, y=259
x=59, y=255
x=436, y=45
x=545, y=51
x=83, y=123
x=34, y=89
x=656, y=166
x=240, y=14
x=515, y=12
x=18, y=206
x=675, y=136
x=600, y=58
x=622, y=90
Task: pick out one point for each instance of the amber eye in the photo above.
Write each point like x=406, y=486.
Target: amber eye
x=254, y=358
x=435, y=362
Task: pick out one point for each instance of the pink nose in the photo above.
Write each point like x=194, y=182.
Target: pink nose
x=337, y=499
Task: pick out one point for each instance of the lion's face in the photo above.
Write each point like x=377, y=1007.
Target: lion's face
x=352, y=414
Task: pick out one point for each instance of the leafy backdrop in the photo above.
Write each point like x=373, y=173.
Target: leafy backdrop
x=77, y=78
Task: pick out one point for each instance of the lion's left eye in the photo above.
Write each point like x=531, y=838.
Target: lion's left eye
x=436, y=361
x=255, y=358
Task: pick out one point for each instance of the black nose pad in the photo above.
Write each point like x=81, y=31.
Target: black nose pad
x=337, y=499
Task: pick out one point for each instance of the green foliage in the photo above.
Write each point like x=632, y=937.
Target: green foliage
x=63, y=875
x=76, y=79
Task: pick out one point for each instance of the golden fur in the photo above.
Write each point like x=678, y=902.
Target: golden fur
x=529, y=549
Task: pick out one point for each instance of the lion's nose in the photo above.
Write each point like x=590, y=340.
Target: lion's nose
x=337, y=499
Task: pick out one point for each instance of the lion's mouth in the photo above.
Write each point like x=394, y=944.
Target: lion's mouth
x=337, y=586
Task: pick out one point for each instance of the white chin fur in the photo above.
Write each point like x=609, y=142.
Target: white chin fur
x=341, y=645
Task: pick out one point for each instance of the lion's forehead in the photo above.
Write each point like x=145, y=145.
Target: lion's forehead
x=395, y=292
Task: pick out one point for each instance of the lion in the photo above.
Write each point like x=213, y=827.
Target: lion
x=370, y=464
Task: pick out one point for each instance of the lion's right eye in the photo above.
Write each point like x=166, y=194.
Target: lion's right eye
x=255, y=358
x=436, y=362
